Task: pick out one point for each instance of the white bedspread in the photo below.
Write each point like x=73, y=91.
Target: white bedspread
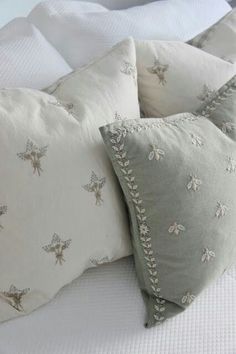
x=103, y=313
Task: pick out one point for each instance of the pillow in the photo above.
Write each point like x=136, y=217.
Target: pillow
x=82, y=37
x=178, y=177
x=27, y=59
x=174, y=77
x=220, y=39
x=64, y=213
x=22, y=8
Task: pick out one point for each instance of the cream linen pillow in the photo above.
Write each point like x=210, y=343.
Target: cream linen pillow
x=60, y=205
x=174, y=77
x=219, y=39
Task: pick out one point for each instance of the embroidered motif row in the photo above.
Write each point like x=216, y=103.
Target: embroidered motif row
x=225, y=92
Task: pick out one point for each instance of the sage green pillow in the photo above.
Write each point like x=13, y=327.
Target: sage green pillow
x=178, y=176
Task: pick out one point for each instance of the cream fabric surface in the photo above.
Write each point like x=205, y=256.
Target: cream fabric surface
x=174, y=77
x=60, y=205
x=219, y=39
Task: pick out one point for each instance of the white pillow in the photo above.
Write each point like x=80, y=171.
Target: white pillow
x=9, y=11
x=61, y=210
x=26, y=57
x=81, y=37
x=174, y=77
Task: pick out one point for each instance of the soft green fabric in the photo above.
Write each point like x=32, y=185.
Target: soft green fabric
x=178, y=176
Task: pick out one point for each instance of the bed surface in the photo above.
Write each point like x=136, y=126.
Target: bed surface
x=102, y=312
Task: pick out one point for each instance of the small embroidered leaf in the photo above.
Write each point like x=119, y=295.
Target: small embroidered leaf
x=97, y=262
x=188, y=298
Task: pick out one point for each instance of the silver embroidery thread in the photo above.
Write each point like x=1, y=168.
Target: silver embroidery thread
x=118, y=144
x=14, y=297
x=130, y=70
x=3, y=210
x=176, y=229
x=206, y=93
x=57, y=246
x=95, y=186
x=33, y=154
x=188, y=298
x=231, y=167
x=194, y=183
x=207, y=255
x=159, y=70
x=156, y=153
x=196, y=140
x=221, y=210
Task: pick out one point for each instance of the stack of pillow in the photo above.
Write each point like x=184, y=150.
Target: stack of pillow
x=66, y=197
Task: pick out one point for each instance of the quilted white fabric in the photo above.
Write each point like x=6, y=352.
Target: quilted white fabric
x=9, y=9
x=26, y=57
x=103, y=313
x=80, y=37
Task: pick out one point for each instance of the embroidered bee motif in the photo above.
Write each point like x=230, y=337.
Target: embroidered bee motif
x=95, y=186
x=206, y=93
x=3, y=210
x=207, y=255
x=231, y=165
x=176, y=228
x=119, y=117
x=57, y=246
x=69, y=107
x=159, y=69
x=196, y=140
x=156, y=153
x=14, y=297
x=188, y=298
x=33, y=154
x=227, y=127
x=221, y=210
x=129, y=69
x=194, y=183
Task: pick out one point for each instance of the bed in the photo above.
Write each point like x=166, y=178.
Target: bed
x=111, y=320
